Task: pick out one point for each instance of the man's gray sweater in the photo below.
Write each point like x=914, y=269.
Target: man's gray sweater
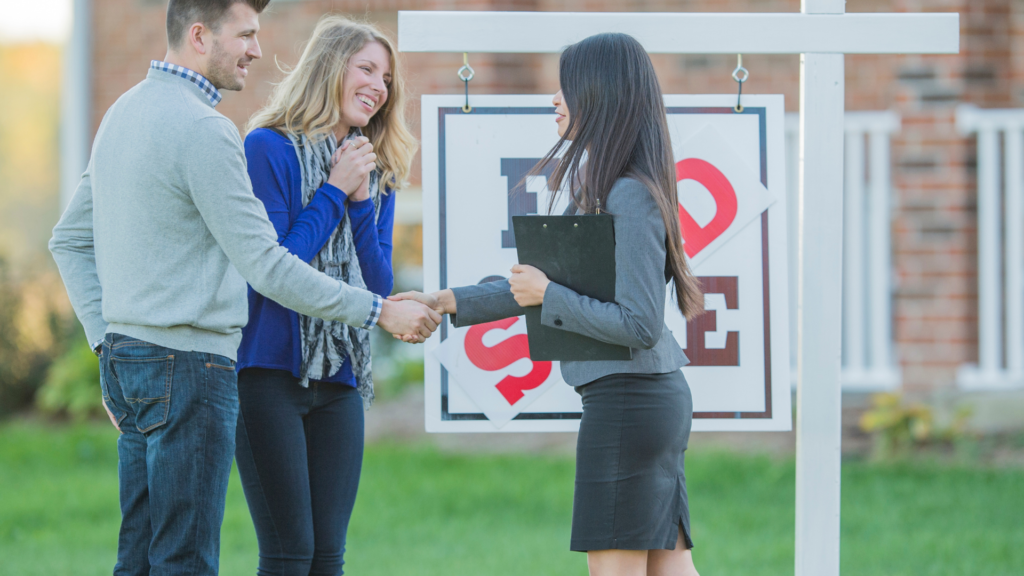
x=164, y=231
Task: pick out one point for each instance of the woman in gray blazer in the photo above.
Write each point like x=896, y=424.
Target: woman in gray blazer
x=630, y=511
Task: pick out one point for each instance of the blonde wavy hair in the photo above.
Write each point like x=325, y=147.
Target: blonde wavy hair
x=308, y=99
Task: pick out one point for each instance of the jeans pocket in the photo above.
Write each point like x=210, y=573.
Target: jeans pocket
x=146, y=384
x=109, y=403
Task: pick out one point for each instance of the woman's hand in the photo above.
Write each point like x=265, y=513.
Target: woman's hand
x=363, y=193
x=351, y=164
x=442, y=302
x=528, y=285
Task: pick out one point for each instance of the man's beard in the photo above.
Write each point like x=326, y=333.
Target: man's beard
x=221, y=72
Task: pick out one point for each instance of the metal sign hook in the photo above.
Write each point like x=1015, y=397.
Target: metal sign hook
x=466, y=74
x=740, y=75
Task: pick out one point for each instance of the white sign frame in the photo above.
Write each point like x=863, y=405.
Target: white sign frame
x=776, y=415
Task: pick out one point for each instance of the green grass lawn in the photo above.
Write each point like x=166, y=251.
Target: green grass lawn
x=422, y=512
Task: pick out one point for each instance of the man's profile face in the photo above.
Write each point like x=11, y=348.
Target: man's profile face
x=234, y=47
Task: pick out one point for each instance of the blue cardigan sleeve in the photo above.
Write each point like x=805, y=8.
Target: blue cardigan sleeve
x=276, y=181
x=374, y=243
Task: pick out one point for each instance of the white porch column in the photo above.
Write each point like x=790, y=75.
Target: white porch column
x=1000, y=248
x=880, y=255
x=1013, y=204
x=989, y=255
x=854, y=270
x=76, y=101
x=819, y=318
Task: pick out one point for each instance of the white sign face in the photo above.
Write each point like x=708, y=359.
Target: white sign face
x=731, y=185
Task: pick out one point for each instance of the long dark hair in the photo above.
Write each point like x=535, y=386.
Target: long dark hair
x=617, y=128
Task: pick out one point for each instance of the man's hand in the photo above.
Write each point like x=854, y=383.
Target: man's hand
x=408, y=318
x=528, y=285
x=110, y=414
x=442, y=302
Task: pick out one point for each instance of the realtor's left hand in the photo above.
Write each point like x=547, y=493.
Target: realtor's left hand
x=528, y=285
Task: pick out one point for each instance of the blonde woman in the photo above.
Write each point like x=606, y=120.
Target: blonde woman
x=325, y=156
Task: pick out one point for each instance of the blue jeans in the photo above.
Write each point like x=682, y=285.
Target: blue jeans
x=299, y=454
x=177, y=413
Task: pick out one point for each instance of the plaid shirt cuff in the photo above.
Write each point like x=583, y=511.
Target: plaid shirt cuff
x=375, y=310
x=95, y=346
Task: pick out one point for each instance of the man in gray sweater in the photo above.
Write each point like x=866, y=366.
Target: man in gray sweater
x=155, y=250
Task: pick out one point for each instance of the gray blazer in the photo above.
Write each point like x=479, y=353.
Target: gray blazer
x=636, y=318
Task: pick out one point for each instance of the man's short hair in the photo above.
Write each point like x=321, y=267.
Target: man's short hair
x=181, y=14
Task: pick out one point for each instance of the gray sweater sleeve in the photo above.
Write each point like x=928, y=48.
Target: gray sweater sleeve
x=637, y=317
x=485, y=302
x=73, y=251
x=219, y=185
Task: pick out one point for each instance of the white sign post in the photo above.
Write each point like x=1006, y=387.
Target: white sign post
x=821, y=34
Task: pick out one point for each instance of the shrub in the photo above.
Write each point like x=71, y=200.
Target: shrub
x=72, y=384
x=35, y=326
x=899, y=428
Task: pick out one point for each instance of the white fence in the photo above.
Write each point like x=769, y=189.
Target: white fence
x=868, y=360
x=1000, y=247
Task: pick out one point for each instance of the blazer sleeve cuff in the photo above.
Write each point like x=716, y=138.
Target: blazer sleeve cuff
x=481, y=303
x=554, y=312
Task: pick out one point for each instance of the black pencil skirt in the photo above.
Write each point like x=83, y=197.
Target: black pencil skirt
x=630, y=487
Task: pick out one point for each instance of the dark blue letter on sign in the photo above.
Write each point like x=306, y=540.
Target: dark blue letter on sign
x=520, y=201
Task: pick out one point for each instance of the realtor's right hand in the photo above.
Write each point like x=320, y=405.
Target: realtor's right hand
x=351, y=163
x=441, y=301
x=408, y=319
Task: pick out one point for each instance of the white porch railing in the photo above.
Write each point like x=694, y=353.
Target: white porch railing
x=868, y=361
x=1000, y=247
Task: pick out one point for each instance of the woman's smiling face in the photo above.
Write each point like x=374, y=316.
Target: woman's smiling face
x=365, y=88
x=561, y=113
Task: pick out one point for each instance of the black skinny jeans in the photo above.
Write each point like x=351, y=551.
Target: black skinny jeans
x=299, y=453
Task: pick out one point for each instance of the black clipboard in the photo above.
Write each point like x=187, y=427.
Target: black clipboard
x=577, y=252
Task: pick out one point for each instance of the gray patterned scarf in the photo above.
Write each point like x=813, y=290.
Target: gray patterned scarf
x=326, y=344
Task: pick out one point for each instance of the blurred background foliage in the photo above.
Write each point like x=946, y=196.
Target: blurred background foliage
x=36, y=327
x=29, y=167
x=899, y=427
x=41, y=343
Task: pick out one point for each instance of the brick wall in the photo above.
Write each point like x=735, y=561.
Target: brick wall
x=934, y=238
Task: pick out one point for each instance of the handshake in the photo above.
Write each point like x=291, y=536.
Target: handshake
x=413, y=316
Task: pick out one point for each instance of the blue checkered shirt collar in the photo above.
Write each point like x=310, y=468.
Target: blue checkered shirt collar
x=196, y=78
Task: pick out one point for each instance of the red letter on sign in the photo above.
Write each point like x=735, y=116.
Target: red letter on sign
x=505, y=354
x=707, y=322
x=696, y=238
